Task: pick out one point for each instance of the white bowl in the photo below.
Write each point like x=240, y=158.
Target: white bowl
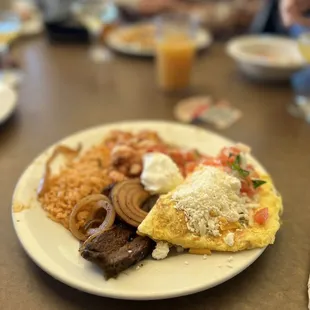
x=267, y=58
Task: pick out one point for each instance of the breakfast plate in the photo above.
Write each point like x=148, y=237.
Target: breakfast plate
x=54, y=249
x=139, y=39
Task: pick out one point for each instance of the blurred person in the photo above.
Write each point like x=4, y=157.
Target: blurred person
x=147, y=7
x=294, y=12
x=283, y=16
x=220, y=17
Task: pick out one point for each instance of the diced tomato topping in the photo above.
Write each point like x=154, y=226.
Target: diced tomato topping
x=261, y=216
x=191, y=156
x=226, y=151
x=190, y=167
x=212, y=162
x=249, y=167
x=177, y=157
x=157, y=148
x=247, y=187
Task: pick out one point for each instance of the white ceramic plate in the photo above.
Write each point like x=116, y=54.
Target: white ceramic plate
x=203, y=40
x=54, y=249
x=11, y=77
x=8, y=101
x=266, y=57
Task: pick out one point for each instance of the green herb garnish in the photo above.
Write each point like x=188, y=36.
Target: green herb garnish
x=238, y=160
x=258, y=183
x=244, y=173
x=236, y=166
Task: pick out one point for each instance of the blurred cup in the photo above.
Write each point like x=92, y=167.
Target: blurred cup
x=175, y=50
x=301, y=82
x=304, y=45
x=9, y=28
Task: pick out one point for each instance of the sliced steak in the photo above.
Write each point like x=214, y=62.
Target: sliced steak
x=117, y=249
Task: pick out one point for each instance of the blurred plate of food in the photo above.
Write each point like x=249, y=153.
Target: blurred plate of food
x=266, y=57
x=80, y=212
x=139, y=39
x=8, y=100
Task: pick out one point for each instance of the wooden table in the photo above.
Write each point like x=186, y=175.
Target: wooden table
x=59, y=96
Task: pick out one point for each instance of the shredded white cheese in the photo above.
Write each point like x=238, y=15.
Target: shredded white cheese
x=208, y=195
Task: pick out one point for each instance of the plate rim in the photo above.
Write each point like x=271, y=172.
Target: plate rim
x=13, y=101
x=111, y=294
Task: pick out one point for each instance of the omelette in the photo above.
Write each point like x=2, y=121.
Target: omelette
x=165, y=222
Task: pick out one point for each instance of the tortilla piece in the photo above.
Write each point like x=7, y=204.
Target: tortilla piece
x=166, y=223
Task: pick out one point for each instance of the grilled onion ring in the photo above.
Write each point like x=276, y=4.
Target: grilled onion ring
x=93, y=203
x=127, y=198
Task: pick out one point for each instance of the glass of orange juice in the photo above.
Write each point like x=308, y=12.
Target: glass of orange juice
x=304, y=45
x=175, y=51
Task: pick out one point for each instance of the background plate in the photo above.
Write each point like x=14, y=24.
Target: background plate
x=203, y=40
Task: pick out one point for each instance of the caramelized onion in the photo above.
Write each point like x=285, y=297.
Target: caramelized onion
x=92, y=204
x=127, y=198
x=90, y=224
x=60, y=149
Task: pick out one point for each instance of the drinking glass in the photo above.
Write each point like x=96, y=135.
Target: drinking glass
x=175, y=50
x=9, y=31
x=301, y=82
x=9, y=27
x=98, y=16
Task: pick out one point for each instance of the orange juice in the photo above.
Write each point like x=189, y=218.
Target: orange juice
x=6, y=38
x=305, y=50
x=175, y=57
x=9, y=29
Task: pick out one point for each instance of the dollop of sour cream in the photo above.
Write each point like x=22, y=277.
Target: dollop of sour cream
x=160, y=174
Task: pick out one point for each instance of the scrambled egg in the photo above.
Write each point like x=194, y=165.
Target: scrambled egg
x=166, y=223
